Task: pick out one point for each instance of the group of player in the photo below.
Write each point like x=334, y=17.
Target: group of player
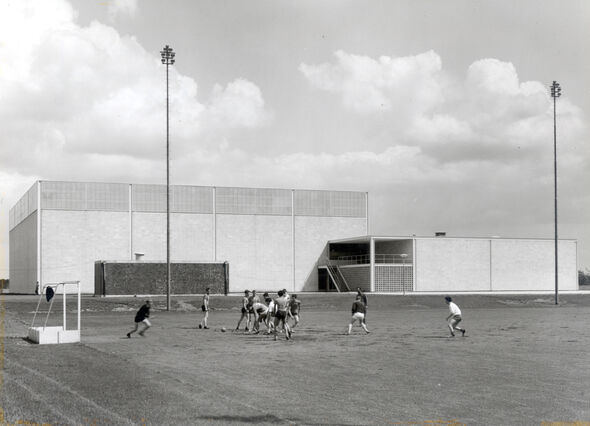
x=273, y=313
x=276, y=313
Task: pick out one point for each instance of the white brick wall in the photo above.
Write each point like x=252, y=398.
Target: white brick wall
x=191, y=236
x=73, y=240
x=446, y=263
x=258, y=249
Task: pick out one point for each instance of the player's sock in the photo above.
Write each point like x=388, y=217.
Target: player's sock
x=463, y=332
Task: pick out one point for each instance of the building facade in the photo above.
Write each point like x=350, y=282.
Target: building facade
x=447, y=264
x=271, y=238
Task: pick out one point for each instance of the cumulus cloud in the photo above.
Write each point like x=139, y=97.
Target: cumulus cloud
x=367, y=85
x=65, y=93
x=122, y=7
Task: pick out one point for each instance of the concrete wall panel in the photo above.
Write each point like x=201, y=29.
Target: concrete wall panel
x=73, y=240
x=191, y=236
x=23, y=255
x=258, y=249
x=448, y=264
x=530, y=265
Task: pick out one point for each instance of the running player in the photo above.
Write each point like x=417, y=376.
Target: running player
x=142, y=317
x=205, y=309
x=245, y=309
x=454, y=317
x=281, y=311
x=358, y=313
x=294, y=307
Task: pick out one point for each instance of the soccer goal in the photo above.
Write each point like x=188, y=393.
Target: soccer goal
x=53, y=334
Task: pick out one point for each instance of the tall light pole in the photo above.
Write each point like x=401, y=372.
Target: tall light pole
x=167, y=59
x=555, y=93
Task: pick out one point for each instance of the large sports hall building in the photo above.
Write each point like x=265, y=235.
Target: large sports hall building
x=267, y=239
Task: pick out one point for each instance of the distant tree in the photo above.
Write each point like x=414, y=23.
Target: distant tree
x=584, y=277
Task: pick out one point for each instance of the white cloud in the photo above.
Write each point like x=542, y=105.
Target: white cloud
x=70, y=90
x=122, y=7
x=368, y=85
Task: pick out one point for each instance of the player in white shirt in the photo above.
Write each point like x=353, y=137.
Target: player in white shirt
x=260, y=315
x=454, y=317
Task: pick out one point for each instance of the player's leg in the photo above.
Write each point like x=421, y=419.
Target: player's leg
x=276, y=325
x=362, y=321
x=296, y=320
x=146, y=325
x=352, y=320
x=287, y=329
x=205, y=319
x=134, y=330
x=450, y=325
x=456, y=322
x=241, y=319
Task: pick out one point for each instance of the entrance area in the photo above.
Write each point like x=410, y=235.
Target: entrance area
x=373, y=264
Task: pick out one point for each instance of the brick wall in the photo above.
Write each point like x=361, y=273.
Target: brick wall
x=121, y=278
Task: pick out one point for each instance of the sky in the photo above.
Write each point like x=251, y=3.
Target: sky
x=439, y=110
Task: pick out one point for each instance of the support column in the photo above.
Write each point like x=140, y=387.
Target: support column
x=372, y=262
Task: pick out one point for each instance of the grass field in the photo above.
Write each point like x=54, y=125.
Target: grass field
x=524, y=361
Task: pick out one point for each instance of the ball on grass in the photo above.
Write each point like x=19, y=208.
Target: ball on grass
x=223, y=329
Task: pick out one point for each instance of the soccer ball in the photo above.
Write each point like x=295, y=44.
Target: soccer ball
x=223, y=329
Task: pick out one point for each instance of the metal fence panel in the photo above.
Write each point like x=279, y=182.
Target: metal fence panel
x=330, y=203
x=260, y=201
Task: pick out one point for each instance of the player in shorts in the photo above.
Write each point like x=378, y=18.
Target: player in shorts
x=281, y=312
x=254, y=298
x=245, y=311
x=363, y=296
x=142, y=317
x=205, y=309
x=294, y=308
x=260, y=315
x=454, y=317
x=271, y=311
x=358, y=313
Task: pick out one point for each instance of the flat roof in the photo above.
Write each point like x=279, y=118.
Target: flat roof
x=368, y=238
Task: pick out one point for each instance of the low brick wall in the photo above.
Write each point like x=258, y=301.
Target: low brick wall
x=129, y=278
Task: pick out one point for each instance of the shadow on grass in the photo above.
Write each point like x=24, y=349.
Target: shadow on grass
x=267, y=418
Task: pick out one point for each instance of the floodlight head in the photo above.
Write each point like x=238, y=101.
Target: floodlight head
x=555, y=90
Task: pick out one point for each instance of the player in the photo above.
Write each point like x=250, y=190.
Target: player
x=358, y=313
x=363, y=296
x=205, y=309
x=260, y=316
x=252, y=299
x=454, y=317
x=271, y=311
x=294, y=307
x=245, y=311
x=281, y=311
x=142, y=317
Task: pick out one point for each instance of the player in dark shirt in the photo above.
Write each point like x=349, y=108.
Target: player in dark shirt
x=142, y=317
x=294, y=308
x=245, y=311
x=363, y=296
x=358, y=313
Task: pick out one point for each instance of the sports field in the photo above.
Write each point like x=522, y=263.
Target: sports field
x=523, y=361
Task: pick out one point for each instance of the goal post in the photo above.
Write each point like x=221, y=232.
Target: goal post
x=53, y=334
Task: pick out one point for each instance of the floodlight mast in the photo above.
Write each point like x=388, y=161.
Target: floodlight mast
x=555, y=93
x=168, y=55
